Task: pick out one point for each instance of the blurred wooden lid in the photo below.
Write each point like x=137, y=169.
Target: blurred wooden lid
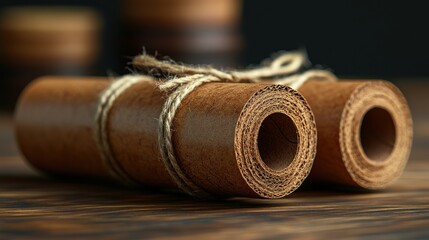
x=50, y=19
x=49, y=35
x=181, y=13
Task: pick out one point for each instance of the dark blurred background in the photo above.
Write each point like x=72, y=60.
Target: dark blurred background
x=371, y=39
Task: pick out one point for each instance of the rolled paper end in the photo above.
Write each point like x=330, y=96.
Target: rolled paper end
x=375, y=134
x=275, y=141
x=231, y=139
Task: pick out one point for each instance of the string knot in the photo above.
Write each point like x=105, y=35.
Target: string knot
x=280, y=70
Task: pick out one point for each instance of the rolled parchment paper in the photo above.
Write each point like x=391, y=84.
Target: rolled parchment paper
x=364, y=132
x=231, y=139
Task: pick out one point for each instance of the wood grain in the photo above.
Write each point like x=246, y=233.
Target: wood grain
x=32, y=205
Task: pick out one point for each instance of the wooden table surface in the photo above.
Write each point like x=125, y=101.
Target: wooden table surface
x=32, y=205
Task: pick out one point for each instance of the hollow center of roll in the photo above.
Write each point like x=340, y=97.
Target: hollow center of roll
x=277, y=141
x=377, y=134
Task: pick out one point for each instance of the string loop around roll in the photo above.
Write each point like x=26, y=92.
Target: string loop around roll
x=106, y=100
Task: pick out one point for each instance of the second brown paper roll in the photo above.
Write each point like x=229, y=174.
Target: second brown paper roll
x=231, y=139
x=364, y=132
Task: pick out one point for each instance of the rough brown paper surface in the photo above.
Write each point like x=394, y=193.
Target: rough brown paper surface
x=364, y=132
x=231, y=139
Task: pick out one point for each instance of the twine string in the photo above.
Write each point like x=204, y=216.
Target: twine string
x=106, y=100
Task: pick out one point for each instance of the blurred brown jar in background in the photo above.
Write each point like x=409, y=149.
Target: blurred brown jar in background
x=192, y=31
x=36, y=41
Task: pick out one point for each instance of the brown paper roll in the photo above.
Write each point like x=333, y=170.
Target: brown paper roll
x=364, y=132
x=230, y=139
